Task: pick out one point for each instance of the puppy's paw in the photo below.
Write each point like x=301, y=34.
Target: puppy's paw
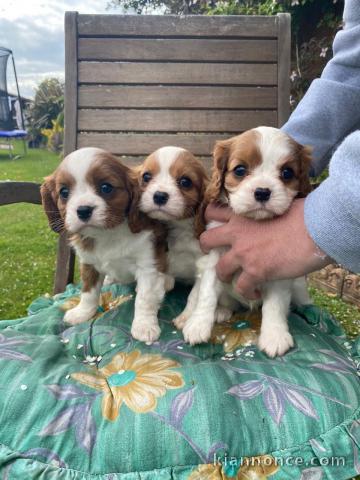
x=275, y=342
x=222, y=314
x=180, y=321
x=197, y=330
x=78, y=315
x=169, y=283
x=145, y=331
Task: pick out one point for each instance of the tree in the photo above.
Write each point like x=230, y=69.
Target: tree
x=48, y=107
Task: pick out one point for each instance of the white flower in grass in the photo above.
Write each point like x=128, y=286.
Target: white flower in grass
x=324, y=52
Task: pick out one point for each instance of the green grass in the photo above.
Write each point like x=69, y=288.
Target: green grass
x=28, y=247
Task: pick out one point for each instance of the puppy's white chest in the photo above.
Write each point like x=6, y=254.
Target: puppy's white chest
x=184, y=251
x=119, y=254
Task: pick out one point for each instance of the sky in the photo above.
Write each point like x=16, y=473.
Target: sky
x=34, y=31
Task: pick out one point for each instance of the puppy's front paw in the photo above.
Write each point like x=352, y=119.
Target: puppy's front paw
x=275, y=342
x=197, y=330
x=180, y=321
x=145, y=331
x=78, y=315
x=222, y=314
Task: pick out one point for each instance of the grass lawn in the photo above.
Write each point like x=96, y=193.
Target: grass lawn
x=28, y=246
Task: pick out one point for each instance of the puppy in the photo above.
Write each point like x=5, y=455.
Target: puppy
x=94, y=197
x=173, y=184
x=257, y=174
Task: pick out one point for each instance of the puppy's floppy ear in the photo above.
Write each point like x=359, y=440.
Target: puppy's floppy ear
x=47, y=191
x=305, y=158
x=221, y=156
x=135, y=217
x=199, y=219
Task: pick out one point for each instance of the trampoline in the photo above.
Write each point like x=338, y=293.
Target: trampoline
x=9, y=128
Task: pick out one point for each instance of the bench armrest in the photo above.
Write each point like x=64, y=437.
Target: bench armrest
x=17, y=192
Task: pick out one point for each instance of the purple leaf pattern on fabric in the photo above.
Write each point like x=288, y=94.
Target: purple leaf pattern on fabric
x=67, y=392
x=333, y=367
x=300, y=402
x=180, y=405
x=274, y=402
x=78, y=416
x=85, y=429
x=355, y=440
x=314, y=473
x=247, y=390
x=64, y=420
x=6, y=348
x=214, y=449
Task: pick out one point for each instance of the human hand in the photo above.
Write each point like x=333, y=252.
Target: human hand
x=264, y=250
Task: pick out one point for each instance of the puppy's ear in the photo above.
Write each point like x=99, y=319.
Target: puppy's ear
x=135, y=217
x=47, y=191
x=221, y=156
x=305, y=158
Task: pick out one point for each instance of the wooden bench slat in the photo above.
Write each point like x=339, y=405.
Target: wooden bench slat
x=175, y=25
x=153, y=96
x=178, y=73
x=143, y=144
x=177, y=49
x=174, y=120
x=18, y=192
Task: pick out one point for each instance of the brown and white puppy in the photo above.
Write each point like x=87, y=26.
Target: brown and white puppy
x=94, y=198
x=173, y=184
x=257, y=174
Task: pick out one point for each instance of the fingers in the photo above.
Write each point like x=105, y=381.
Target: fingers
x=219, y=214
x=216, y=237
x=247, y=286
x=227, y=266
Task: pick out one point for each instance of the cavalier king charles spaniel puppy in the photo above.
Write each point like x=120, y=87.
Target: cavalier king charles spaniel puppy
x=173, y=184
x=257, y=174
x=94, y=198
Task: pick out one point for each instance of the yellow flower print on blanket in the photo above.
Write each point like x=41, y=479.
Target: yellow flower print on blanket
x=242, y=329
x=135, y=379
x=106, y=303
x=253, y=468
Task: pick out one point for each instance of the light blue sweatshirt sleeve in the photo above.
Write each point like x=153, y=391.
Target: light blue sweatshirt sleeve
x=328, y=114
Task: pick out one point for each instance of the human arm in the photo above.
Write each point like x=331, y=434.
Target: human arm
x=330, y=110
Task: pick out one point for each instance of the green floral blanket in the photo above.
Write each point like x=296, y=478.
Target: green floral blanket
x=89, y=402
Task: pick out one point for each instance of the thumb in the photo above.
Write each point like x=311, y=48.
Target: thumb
x=247, y=286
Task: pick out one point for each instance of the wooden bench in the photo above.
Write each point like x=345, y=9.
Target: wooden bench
x=136, y=83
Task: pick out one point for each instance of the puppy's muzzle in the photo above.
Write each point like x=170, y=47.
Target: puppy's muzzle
x=262, y=194
x=160, y=198
x=84, y=212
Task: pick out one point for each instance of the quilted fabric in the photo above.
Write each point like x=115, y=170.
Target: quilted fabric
x=89, y=402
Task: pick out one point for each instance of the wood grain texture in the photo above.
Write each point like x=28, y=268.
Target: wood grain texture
x=65, y=257
x=139, y=144
x=18, y=192
x=176, y=25
x=284, y=59
x=177, y=49
x=178, y=73
x=174, y=120
x=154, y=96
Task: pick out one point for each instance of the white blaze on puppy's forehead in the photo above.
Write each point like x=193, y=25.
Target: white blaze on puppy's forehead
x=166, y=156
x=78, y=163
x=274, y=146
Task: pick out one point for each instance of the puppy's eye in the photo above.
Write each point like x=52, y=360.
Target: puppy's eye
x=64, y=193
x=147, y=177
x=287, y=173
x=185, y=182
x=106, y=188
x=240, y=171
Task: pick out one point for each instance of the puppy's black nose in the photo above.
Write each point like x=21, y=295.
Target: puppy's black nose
x=262, y=194
x=84, y=212
x=160, y=198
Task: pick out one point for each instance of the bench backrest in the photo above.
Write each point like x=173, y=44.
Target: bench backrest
x=135, y=83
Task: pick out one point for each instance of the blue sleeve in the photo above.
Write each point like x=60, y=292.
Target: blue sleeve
x=332, y=211
x=330, y=110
